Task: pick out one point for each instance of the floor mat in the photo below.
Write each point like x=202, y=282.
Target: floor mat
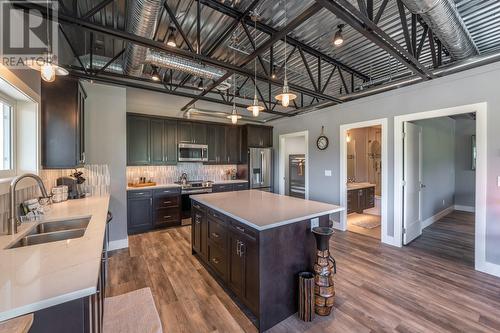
x=366, y=221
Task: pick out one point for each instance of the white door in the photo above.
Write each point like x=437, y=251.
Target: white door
x=412, y=182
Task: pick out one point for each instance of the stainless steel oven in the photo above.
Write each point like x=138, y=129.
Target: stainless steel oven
x=192, y=152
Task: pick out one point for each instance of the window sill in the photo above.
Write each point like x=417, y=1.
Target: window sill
x=5, y=184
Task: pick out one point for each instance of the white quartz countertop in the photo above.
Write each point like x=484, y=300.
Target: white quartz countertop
x=131, y=188
x=39, y=276
x=358, y=186
x=263, y=210
x=232, y=181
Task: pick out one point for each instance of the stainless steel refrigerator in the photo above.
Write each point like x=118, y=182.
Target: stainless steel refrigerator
x=260, y=168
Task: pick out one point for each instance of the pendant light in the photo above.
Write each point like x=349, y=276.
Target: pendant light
x=156, y=76
x=338, y=39
x=47, y=67
x=234, y=114
x=171, y=38
x=255, y=108
x=286, y=96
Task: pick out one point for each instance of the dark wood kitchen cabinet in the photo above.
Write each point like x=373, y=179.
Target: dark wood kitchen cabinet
x=227, y=187
x=199, y=229
x=216, y=140
x=163, y=142
x=192, y=132
x=138, y=140
x=360, y=199
x=233, y=144
x=63, y=123
x=258, y=136
x=150, y=209
x=139, y=211
x=243, y=259
x=151, y=140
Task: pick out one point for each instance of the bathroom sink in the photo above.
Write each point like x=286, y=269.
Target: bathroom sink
x=33, y=239
x=53, y=226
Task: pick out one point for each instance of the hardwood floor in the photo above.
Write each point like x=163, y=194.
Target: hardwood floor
x=379, y=288
x=371, y=232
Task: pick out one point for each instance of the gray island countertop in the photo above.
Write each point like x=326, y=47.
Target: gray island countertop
x=263, y=210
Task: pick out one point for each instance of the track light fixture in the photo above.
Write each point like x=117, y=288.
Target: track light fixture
x=155, y=76
x=338, y=39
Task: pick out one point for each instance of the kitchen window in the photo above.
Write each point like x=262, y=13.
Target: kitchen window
x=7, y=168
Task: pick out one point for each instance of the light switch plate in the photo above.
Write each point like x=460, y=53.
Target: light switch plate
x=314, y=223
x=328, y=173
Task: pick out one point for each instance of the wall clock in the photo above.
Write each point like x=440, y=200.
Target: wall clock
x=322, y=142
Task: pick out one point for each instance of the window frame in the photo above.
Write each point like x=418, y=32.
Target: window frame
x=12, y=172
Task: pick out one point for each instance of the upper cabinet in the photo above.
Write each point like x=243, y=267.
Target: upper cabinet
x=63, y=125
x=259, y=136
x=190, y=132
x=153, y=140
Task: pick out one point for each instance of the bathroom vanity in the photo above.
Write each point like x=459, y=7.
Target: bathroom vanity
x=360, y=196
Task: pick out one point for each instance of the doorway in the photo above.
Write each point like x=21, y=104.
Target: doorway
x=414, y=204
x=363, y=178
x=294, y=164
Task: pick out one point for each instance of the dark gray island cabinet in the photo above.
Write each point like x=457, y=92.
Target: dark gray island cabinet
x=255, y=243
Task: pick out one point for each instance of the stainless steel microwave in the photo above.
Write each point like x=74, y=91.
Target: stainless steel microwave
x=192, y=152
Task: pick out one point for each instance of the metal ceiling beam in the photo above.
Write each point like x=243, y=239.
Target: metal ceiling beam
x=229, y=11
x=96, y=9
x=157, y=87
x=304, y=16
x=344, y=10
x=179, y=27
x=66, y=19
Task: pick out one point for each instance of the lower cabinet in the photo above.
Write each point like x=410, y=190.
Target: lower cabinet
x=230, y=249
x=83, y=315
x=227, y=187
x=149, y=209
x=360, y=199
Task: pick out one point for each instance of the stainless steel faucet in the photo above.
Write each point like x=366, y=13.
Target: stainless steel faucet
x=13, y=218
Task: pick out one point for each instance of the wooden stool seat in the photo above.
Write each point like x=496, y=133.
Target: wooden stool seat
x=131, y=313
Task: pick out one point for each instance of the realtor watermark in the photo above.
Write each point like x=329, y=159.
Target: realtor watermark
x=25, y=35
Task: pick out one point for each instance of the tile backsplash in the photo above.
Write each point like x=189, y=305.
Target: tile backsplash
x=97, y=184
x=170, y=173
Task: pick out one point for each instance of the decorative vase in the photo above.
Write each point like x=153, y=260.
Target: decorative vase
x=306, y=296
x=324, y=289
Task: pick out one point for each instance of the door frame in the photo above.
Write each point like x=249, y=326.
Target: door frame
x=481, y=176
x=342, y=225
x=282, y=157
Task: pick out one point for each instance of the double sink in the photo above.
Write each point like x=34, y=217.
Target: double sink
x=53, y=231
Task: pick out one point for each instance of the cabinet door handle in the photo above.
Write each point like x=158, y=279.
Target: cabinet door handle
x=240, y=229
x=167, y=202
x=242, y=249
x=197, y=206
x=167, y=216
x=216, y=235
x=215, y=260
x=238, y=248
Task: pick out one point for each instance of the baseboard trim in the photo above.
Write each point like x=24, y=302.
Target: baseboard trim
x=118, y=244
x=488, y=268
x=462, y=208
x=437, y=216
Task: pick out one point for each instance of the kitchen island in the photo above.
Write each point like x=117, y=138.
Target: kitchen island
x=255, y=243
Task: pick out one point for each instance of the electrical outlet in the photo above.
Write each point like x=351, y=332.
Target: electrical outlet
x=328, y=173
x=314, y=223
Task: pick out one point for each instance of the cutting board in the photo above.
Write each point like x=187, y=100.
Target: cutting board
x=142, y=184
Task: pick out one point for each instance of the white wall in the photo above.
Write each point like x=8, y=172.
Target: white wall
x=105, y=143
x=438, y=165
x=293, y=145
x=473, y=86
x=465, y=177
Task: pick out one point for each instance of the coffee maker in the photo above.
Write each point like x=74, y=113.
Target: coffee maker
x=74, y=183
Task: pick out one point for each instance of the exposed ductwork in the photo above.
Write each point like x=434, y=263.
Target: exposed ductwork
x=142, y=20
x=445, y=22
x=99, y=62
x=165, y=60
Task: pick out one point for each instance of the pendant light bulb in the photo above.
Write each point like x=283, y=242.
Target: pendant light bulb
x=48, y=72
x=255, y=108
x=338, y=39
x=171, y=39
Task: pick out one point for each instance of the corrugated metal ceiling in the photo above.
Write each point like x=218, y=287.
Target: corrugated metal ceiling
x=482, y=18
